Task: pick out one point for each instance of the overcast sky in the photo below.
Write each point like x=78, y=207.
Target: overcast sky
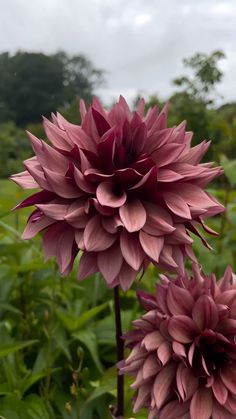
x=140, y=44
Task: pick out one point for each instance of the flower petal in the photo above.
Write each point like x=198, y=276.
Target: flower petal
x=131, y=250
x=109, y=263
x=162, y=384
x=201, y=404
x=151, y=245
x=87, y=265
x=133, y=215
x=205, y=313
x=106, y=195
x=182, y=328
x=96, y=238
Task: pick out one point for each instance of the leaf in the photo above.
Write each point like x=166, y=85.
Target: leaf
x=14, y=347
x=73, y=323
x=229, y=169
x=88, y=338
x=107, y=384
x=31, y=379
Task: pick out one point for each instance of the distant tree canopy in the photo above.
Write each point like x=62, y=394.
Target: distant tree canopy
x=35, y=84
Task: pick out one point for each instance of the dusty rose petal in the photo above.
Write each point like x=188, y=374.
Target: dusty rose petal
x=126, y=276
x=133, y=215
x=109, y=263
x=162, y=384
x=131, y=250
x=87, y=265
x=34, y=227
x=106, y=195
x=179, y=300
x=201, y=404
x=177, y=205
x=151, y=245
x=182, y=328
x=96, y=239
x=205, y=313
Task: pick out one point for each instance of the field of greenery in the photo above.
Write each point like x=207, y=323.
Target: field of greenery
x=57, y=337
x=58, y=350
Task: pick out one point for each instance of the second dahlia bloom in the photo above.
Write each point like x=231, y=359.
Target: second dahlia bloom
x=183, y=349
x=121, y=187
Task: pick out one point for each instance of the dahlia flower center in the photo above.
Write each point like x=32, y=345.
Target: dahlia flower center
x=211, y=355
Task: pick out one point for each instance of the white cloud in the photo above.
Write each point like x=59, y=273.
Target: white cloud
x=140, y=44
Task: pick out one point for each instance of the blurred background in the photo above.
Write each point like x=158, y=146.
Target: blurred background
x=57, y=347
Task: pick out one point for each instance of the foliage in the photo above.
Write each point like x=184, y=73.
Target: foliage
x=15, y=148
x=35, y=84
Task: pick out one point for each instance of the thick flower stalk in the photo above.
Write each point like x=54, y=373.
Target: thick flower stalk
x=121, y=187
x=183, y=353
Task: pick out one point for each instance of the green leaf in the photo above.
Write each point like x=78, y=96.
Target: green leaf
x=88, y=339
x=31, y=379
x=14, y=347
x=73, y=323
x=229, y=169
x=107, y=384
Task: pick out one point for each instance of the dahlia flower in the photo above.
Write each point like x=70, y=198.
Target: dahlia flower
x=121, y=187
x=183, y=349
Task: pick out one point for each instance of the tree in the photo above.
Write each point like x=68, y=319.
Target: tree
x=194, y=102
x=206, y=75
x=35, y=84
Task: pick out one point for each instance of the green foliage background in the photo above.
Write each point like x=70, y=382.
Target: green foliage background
x=57, y=341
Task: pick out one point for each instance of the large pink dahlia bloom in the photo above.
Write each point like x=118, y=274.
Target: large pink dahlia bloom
x=183, y=349
x=121, y=187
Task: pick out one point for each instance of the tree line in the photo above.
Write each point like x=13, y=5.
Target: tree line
x=35, y=84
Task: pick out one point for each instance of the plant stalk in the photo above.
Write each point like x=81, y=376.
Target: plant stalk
x=119, y=411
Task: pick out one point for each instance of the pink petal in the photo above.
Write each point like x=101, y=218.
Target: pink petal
x=179, y=349
x=109, y=263
x=179, y=300
x=150, y=366
x=175, y=410
x=187, y=383
x=76, y=215
x=37, y=198
x=34, y=227
x=87, y=265
x=126, y=276
x=177, y=205
x=163, y=383
x=62, y=185
x=158, y=220
x=182, y=328
x=131, y=250
x=139, y=138
x=167, y=154
x=143, y=395
x=96, y=238
x=205, y=313
x=82, y=182
x=164, y=352
x=106, y=195
x=227, y=326
x=151, y=245
x=56, y=211
x=57, y=136
x=152, y=340
x=101, y=123
x=220, y=391
x=64, y=252
x=201, y=404
x=133, y=215
x=167, y=175
x=25, y=180
x=51, y=237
